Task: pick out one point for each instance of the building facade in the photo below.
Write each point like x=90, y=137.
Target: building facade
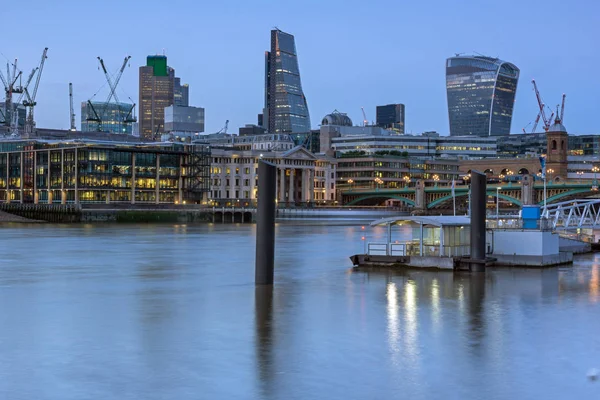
x=155, y=94
x=107, y=117
x=348, y=141
x=481, y=93
x=391, y=117
x=181, y=93
x=75, y=171
x=394, y=171
x=302, y=177
x=286, y=109
x=184, y=119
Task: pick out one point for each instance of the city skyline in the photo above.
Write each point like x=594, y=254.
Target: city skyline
x=344, y=65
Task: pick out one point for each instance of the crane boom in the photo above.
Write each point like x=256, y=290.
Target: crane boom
x=542, y=106
x=365, y=121
x=39, y=75
x=562, y=108
x=71, y=109
x=113, y=83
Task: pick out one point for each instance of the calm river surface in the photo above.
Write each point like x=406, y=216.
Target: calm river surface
x=171, y=312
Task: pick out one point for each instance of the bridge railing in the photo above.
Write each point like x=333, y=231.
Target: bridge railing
x=517, y=223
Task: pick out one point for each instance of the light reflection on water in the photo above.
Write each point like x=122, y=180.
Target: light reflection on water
x=159, y=311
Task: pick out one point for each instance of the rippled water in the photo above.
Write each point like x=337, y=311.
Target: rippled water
x=171, y=312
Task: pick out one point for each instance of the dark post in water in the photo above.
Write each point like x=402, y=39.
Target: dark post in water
x=478, y=199
x=265, y=224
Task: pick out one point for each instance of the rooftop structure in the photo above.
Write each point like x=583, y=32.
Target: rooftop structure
x=336, y=118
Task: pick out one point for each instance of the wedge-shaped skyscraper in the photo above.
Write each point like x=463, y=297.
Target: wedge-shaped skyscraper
x=285, y=109
x=481, y=95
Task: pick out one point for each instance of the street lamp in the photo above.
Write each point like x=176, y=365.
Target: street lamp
x=498, y=202
x=350, y=182
x=406, y=179
x=579, y=174
x=378, y=181
x=436, y=178
x=595, y=170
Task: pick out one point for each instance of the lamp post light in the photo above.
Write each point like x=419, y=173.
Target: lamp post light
x=406, y=179
x=498, y=202
x=350, y=182
x=595, y=171
x=550, y=171
x=579, y=175
x=436, y=178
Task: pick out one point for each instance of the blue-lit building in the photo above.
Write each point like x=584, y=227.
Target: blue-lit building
x=107, y=117
x=481, y=94
x=286, y=110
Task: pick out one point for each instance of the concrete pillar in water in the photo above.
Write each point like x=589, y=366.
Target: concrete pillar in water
x=478, y=200
x=265, y=223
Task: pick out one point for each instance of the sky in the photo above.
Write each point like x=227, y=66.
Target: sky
x=351, y=54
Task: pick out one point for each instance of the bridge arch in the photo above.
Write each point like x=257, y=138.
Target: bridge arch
x=380, y=196
x=492, y=193
x=570, y=193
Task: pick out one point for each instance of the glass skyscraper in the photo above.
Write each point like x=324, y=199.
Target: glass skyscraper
x=481, y=95
x=285, y=110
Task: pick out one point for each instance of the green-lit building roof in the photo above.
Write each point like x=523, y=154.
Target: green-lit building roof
x=159, y=63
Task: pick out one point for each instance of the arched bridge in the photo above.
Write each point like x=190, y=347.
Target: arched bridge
x=525, y=192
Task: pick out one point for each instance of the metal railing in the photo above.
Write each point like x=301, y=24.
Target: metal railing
x=517, y=223
x=414, y=249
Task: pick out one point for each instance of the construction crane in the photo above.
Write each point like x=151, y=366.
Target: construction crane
x=535, y=124
x=71, y=109
x=224, y=129
x=547, y=121
x=9, y=81
x=365, y=121
x=113, y=83
x=562, y=108
x=14, y=126
x=95, y=117
x=30, y=103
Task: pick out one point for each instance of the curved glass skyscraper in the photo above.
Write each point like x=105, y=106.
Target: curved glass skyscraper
x=285, y=110
x=481, y=95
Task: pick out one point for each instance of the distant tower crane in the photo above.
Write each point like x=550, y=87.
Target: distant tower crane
x=365, y=121
x=71, y=109
x=30, y=98
x=562, y=108
x=10, y=87
x=542, y=107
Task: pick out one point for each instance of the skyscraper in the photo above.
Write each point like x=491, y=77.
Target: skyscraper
x=285, y=109
x=181, y=93
x=481, y=93
x=156, y=93
x=391, y=116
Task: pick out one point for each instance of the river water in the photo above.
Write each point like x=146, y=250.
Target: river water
x=171, y=312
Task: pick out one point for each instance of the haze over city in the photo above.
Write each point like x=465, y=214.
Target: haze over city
x=351, y=54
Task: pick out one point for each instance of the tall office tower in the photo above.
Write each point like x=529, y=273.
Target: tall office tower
x=391, y=116
x=285, y=109
x=156, y=93
x=181, y=93
x=481, y=95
